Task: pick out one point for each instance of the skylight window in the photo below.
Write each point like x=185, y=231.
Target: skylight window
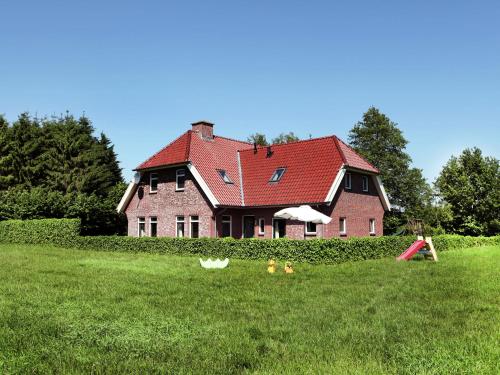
x=278, y=173
x=224, y=176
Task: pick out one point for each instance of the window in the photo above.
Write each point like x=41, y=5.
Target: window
x=141, y=227
x=311, y=228
x=347, y=181
x=226, y=226
x=179, y=225
x=195, y=226
x=278, y=173
x=153, y=226
x=365, y=183
x=180, y=179
x=224, y=176
x=262, y=226
x=343, y=226
x=153, y=182
x=372, y=226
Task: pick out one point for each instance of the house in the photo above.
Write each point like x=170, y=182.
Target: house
x=204, y=185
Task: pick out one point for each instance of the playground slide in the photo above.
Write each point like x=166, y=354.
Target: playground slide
x=412, y=250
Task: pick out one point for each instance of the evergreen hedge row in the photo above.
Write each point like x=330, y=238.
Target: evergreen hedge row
x=65, y=233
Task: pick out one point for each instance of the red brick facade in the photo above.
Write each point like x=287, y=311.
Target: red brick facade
x=358, y=207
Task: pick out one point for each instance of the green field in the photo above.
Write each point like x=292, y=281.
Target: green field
x=70, y=311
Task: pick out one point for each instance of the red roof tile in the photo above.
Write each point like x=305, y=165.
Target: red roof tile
x=311, y=167
x=174, y=153
x=354, y=160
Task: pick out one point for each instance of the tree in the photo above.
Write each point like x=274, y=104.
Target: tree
x=470, y=184
x=381, y=142
x=258, y=138
x=285, y=138
x=6, y=175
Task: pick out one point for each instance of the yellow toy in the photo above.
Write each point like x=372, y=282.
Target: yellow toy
x=288, y=267
x=271, y=266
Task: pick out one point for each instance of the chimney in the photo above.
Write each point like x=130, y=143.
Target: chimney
x=204, y=129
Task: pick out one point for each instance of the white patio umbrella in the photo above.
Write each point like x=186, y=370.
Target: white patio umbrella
x=303, y=213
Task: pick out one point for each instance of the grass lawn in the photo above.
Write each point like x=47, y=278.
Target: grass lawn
x=70, y=311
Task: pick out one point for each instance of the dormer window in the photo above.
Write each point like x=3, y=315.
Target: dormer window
x=347, y=181
x=180, y=179
x=224, y=176
x=153, y=182
x=278, y=173
x=365, y=183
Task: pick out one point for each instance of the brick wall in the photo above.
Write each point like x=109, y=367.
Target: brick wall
x=167, y=203
x=357, y=206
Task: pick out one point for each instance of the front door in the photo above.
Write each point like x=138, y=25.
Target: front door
x=279, y=228
x=248, y=226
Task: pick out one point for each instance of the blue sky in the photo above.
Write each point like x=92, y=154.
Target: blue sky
x=144, y=70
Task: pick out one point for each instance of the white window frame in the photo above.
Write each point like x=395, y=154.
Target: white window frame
x=230, y=221
x=277, y=176
x=153, y=176
x=343, y=231
x=243, y=226
x=365, y=183
x=180, y=173
x=348, y=181
x=310, y=233
x=373, y=229
x=177, y=221
x=191, y=221
x=225, y=177
x=141, y=220
x=263, y=231
x=153, y=220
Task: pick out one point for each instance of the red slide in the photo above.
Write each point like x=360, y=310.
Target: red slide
x=412, y=250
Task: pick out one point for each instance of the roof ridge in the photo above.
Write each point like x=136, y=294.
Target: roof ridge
x=291, y=143
x=188, y=145
x=336, y=141
x=164, y=148
x=357, y=153
x=232, y=139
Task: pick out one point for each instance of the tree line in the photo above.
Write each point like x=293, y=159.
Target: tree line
x=464, y=199
x=56, y=167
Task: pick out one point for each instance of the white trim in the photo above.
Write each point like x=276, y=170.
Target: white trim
x=348, y=181
x=335, y=185
x=310, y=233
x=203, y=185
x=222, y=221
x=151, y=191
x=127, y=197
x=372, y=224
x=274, y=220
x=363, y=179
x=151, y=222
x=381, y=192
x=139, y=226
x=243, y=226
x=344, y=220
x=241, y=180
x=261, y=219
x=194, y=221
x=178, y=173
x=177, y=221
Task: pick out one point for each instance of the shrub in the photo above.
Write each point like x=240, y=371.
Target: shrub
x=65, y=232
x=44, y=231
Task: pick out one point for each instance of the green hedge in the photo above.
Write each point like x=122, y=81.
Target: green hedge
x=43, y=231
x=64, y=233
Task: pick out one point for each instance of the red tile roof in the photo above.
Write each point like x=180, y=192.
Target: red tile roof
x=354, y=160
x=311, y=167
